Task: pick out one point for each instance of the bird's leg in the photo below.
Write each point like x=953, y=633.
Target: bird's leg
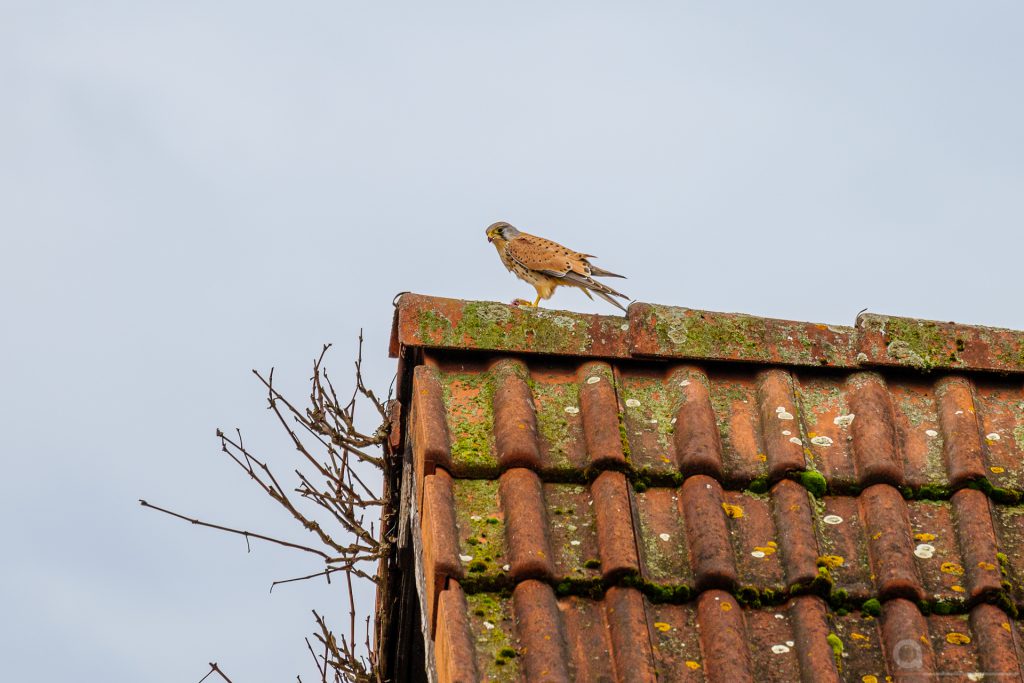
x=536, y=302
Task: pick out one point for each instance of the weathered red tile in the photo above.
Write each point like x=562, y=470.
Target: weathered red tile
x=723, y=638
x=734, y=398
x=977, y=541
x=936, y=551
x=649, y=402
x=454, y=651
x=480, y=532
x=753, y=537
x=468, y=391
x=493, y=633
x=811, y=630
x=919, y=433
x=843, y=546
x=664, y=558
x=828, y=420
x=778, y=410
x=556, y=395
x=929, y=345
x=667, y=332
x=526, y=525
x=1009, y=525
x=698, y=445
x=429, y=427
x=434, y=322
x=572, y=527
x=707, y=534
x=1000, y=406
x=959, y=422
x=515, y=422
x=875, y=448
x=613, y=512
x=675, y=642
x=440, y=539
x=589, y=641
x=600, y=410
x=631, y=644
x=996, y=636
x=797, y=544
x=907, y=642
x=889, y=544
x=862, y=657
x=543, y=646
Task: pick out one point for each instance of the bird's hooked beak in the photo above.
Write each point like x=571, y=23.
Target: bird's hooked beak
x=490, y=238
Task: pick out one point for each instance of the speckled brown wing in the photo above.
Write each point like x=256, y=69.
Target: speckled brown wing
x=564, y=264
x=545, y=256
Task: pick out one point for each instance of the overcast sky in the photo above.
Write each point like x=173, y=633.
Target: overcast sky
x=192, y=189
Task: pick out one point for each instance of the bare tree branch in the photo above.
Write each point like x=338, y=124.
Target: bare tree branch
x=330, y=500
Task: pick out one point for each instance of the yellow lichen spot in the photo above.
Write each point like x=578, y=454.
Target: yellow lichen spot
x=859, y=636
x=665, y=459
x=925, y=538
x=692, y=665
x=662, y=626
x=955, y=638
x=1006, y=625
x=924, y=639
x=762, y=457
x=734, y=511
x=951, y=568
x=726, y=606
x=766, y=549
x=831, y=561
x=996, y=469
x=868, y=678
x=990, y=442
x=811, y=435
x=958, y=589
x=773, y=544
x=877, y=536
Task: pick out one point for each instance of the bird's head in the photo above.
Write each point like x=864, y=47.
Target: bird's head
x=501, y=231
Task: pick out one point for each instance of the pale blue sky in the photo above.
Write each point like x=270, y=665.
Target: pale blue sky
x=189, y=190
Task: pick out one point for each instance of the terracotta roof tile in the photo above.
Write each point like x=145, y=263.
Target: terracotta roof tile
x=713, y=497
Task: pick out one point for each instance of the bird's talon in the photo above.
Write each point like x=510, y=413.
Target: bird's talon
x=521, y=302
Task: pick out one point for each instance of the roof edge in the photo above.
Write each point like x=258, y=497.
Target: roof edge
x=652, y=331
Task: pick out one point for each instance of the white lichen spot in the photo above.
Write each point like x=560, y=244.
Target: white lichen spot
x=976, y=676
x=564, y=322
x=796, y=440
x=574, y=542
x=786, y=432
x=674, y=420
x=685, y=383
x=959, y=412
x=624, y=327
x=862, y=357
x=780, y=649
x=477, y=518
x=780, y=616
x=992, y=437
x=572, y=410
x=593, y=380
x=931, y=432
x=488, y=625
x=790, y=643
x=823, y=441
x=506, y=567
x=844, y=420
x=925, y=551
x=832, y=519
x=466, y=558
x=632, y=403
x=570, y=527
x=757, y=553
x=664, y=537
x=654, y=421
x=784, y=415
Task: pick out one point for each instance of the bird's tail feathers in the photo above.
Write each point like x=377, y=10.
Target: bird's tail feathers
x=610, y=300
x=601, y=272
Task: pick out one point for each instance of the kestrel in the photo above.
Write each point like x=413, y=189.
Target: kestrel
x=547, y=265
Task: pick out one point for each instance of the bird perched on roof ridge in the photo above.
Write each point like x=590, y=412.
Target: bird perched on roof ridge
x=547, y=265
